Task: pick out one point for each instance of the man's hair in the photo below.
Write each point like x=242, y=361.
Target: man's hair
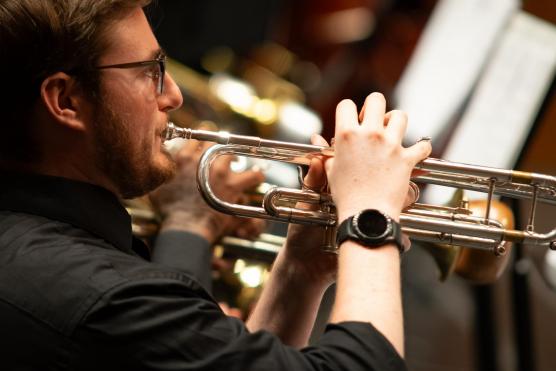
x=39, y=38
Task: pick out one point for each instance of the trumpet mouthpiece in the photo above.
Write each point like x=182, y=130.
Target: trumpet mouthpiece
x=172, y=131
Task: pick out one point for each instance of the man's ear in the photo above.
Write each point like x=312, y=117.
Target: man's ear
x=64, y=100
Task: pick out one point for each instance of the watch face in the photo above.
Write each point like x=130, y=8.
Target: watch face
x=372, y=224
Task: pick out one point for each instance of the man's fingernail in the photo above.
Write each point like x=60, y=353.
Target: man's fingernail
x=422, y=139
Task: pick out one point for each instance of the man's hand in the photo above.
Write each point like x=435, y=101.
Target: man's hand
x=304, y=244
x=370, y=168
x=182, y=207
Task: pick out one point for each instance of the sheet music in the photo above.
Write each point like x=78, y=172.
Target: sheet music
x=447, y=61
x=507, y=99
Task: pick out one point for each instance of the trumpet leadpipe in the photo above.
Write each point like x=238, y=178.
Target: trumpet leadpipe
x=265, y=147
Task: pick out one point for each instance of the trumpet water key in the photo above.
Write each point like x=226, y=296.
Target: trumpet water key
x=431, y=223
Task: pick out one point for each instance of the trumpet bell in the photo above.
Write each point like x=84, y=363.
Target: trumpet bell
x=474, y=265
x=480, y=266
x=445, y=258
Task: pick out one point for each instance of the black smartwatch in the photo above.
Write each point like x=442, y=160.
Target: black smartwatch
x=370, y=228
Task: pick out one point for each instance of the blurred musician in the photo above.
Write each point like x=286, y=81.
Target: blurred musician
x=88, y=102
x=186, y=217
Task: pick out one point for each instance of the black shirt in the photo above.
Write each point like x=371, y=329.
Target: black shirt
x=75, y=294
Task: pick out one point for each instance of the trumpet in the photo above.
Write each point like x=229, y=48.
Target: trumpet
x=422, y=222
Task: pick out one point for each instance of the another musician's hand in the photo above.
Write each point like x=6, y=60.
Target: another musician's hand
x=183, y=208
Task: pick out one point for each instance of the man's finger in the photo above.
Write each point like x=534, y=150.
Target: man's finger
x=316, y=177
x=346, y=115
x=419, y=151
x=396, y=126
x=373, y=112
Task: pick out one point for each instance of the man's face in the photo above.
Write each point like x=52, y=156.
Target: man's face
x=130, y=114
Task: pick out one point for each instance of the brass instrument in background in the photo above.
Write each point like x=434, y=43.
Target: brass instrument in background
x=436, y=224
x=240, y=266
x=146, y=224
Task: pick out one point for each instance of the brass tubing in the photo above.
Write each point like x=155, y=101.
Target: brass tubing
x=471, y=177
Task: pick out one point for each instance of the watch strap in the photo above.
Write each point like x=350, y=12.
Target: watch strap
x=346, y=231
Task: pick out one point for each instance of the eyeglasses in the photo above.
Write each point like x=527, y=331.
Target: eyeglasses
x=158, y=75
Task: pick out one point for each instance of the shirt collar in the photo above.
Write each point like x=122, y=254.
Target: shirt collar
x=83, y=205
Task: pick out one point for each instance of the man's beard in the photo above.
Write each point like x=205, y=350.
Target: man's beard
x=130, y=167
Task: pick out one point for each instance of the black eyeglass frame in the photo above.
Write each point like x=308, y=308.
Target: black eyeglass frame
x=160, y=60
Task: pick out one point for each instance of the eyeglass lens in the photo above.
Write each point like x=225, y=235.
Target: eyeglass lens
x=162, y=67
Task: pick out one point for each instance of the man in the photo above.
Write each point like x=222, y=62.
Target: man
x=88, y=100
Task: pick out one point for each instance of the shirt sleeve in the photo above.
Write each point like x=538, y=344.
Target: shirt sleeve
x=186, y=252
x=159, y=324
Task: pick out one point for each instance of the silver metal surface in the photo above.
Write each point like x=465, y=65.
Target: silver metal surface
x=421, y=222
